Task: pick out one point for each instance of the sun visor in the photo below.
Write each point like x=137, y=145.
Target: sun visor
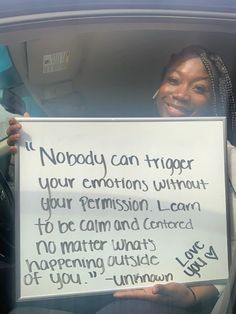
x=51, y=61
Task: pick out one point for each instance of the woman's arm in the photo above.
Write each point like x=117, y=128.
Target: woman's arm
x=174, y=293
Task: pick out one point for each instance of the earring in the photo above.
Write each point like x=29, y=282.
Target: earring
x=155, y=95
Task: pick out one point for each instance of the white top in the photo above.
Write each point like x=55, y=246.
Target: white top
x=232, y=193
x=231, y=150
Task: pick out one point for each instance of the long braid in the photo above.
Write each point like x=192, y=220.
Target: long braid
x=210, y=70
x=222, y=92
x=226, y=97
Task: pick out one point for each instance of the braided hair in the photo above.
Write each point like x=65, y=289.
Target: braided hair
x=223, y=103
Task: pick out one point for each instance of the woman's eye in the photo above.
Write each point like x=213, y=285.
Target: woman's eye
x=172, y=80
x=200, y=89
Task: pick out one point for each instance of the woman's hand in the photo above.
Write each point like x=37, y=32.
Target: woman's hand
x=13, y=133
x=172, y=293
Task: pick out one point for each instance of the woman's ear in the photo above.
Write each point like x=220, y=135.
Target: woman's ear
x=155, y=95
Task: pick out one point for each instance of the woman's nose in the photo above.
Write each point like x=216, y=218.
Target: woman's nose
x=181, y=93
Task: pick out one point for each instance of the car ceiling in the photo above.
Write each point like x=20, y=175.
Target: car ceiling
x=28, y=7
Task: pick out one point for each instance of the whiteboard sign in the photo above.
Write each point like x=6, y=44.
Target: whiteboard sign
x=112, y=204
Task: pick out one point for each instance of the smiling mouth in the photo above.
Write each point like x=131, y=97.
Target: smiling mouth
x=178, y=111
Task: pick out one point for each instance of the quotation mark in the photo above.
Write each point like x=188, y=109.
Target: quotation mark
x=92, y=274
x=29, y=146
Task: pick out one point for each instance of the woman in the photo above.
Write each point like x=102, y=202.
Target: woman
x=194, y=83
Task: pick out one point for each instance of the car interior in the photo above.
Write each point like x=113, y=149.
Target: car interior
x=97, y=67
x=105, y=69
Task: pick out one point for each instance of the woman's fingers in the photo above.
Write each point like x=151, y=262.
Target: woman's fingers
x=12, y=121
x=12, y=149
x=145, y=293
x=12, y=139
x=13, y=129
x=13, y=133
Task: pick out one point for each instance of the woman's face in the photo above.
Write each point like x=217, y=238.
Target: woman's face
x=185, y=90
